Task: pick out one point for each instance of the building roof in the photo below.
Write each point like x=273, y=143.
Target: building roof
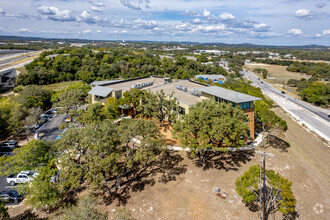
x=212, y=77
x=100, y=83
x=182, y=96
x=100, y=91
x=230, y=95
x=6, y=71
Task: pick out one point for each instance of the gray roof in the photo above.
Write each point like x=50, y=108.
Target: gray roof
x=100, y=91
x=6, y=71
x=230, y=95
x=100, y=83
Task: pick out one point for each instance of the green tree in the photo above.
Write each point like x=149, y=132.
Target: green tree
x=279, y=195
x=33, y=96
x=93, y=114
x=142, y=140
x=28, y=157
x=4, y=215
x=42, y=193
x=71, y=98
x=211, y=126
x=158, y=105
x=111, y=108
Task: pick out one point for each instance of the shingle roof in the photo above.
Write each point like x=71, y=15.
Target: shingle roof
x=233, y=96
x=100, y=91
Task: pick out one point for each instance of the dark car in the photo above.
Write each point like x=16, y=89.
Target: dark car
x=9, y=196
x=282, y=92
x=11, y=144
x=5, y=150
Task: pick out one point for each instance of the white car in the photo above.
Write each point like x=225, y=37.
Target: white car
x=21, y=177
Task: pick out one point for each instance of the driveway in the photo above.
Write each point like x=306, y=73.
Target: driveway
x=50, y=130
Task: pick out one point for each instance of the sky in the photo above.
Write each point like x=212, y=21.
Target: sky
x=266, y=22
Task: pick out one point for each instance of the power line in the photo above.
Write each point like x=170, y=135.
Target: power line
x=262, y=196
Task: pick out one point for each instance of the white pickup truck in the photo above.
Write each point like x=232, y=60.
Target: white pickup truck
x=22, y=177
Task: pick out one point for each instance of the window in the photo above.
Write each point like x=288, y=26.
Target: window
x=182, y=111
x=245, y=105
x=249, y=134
x=118, y=96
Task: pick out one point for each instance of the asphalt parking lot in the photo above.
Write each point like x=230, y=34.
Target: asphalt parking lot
x=50, y=130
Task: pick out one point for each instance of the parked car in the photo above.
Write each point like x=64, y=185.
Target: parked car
x=47, y=115
x=9, y=196
x=29, y=173
x=19, y=178
x=70, y=119
x=5, y=150
x=282, y=92
x=11, y=144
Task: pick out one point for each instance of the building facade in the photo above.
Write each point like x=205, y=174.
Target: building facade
x=186, y=92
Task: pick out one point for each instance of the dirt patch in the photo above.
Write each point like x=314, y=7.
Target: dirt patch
x=180, y=189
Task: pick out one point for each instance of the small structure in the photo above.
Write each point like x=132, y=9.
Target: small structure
x=8, y=78
x=215, y=78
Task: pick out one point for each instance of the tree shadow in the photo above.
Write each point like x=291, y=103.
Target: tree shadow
x=224, y=160
x=164, y=169
x=277, y=143
x=28, y=214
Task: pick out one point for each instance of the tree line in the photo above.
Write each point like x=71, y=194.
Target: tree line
x=89, y=65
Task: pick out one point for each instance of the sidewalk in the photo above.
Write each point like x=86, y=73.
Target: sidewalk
x=251, y=146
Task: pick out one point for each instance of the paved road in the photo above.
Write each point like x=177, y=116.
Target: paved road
x=18, y=58
x=51, y=129
x=314, y=117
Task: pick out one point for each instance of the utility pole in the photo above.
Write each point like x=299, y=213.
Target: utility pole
x=263, y=197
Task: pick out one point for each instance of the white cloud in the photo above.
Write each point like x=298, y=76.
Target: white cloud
x=211, y=28
x=197, y=21
x=304, y=13
x=295, y=31
x=99, y=31
x=145, y=24
x=95, y=8
x=261, y=27
x=85, y=16
x=53, y=13
x=206, y=13
x=98, y=4
x=24, y=30
x=136, y=4
x=226, y=16
x=86, y=31
x=326, y=32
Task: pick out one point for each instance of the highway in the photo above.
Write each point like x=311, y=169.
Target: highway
x=315, y=118
x=31, y=54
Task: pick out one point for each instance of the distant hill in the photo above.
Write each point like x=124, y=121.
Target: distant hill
x=243, y=45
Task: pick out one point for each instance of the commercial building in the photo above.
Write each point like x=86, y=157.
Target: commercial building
x=215, y=78
x=187, y=93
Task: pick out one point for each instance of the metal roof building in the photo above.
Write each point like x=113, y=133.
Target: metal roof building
x=101, y=91
x=230, y=95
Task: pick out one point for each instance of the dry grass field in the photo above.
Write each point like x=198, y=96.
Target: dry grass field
x=278, y=75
